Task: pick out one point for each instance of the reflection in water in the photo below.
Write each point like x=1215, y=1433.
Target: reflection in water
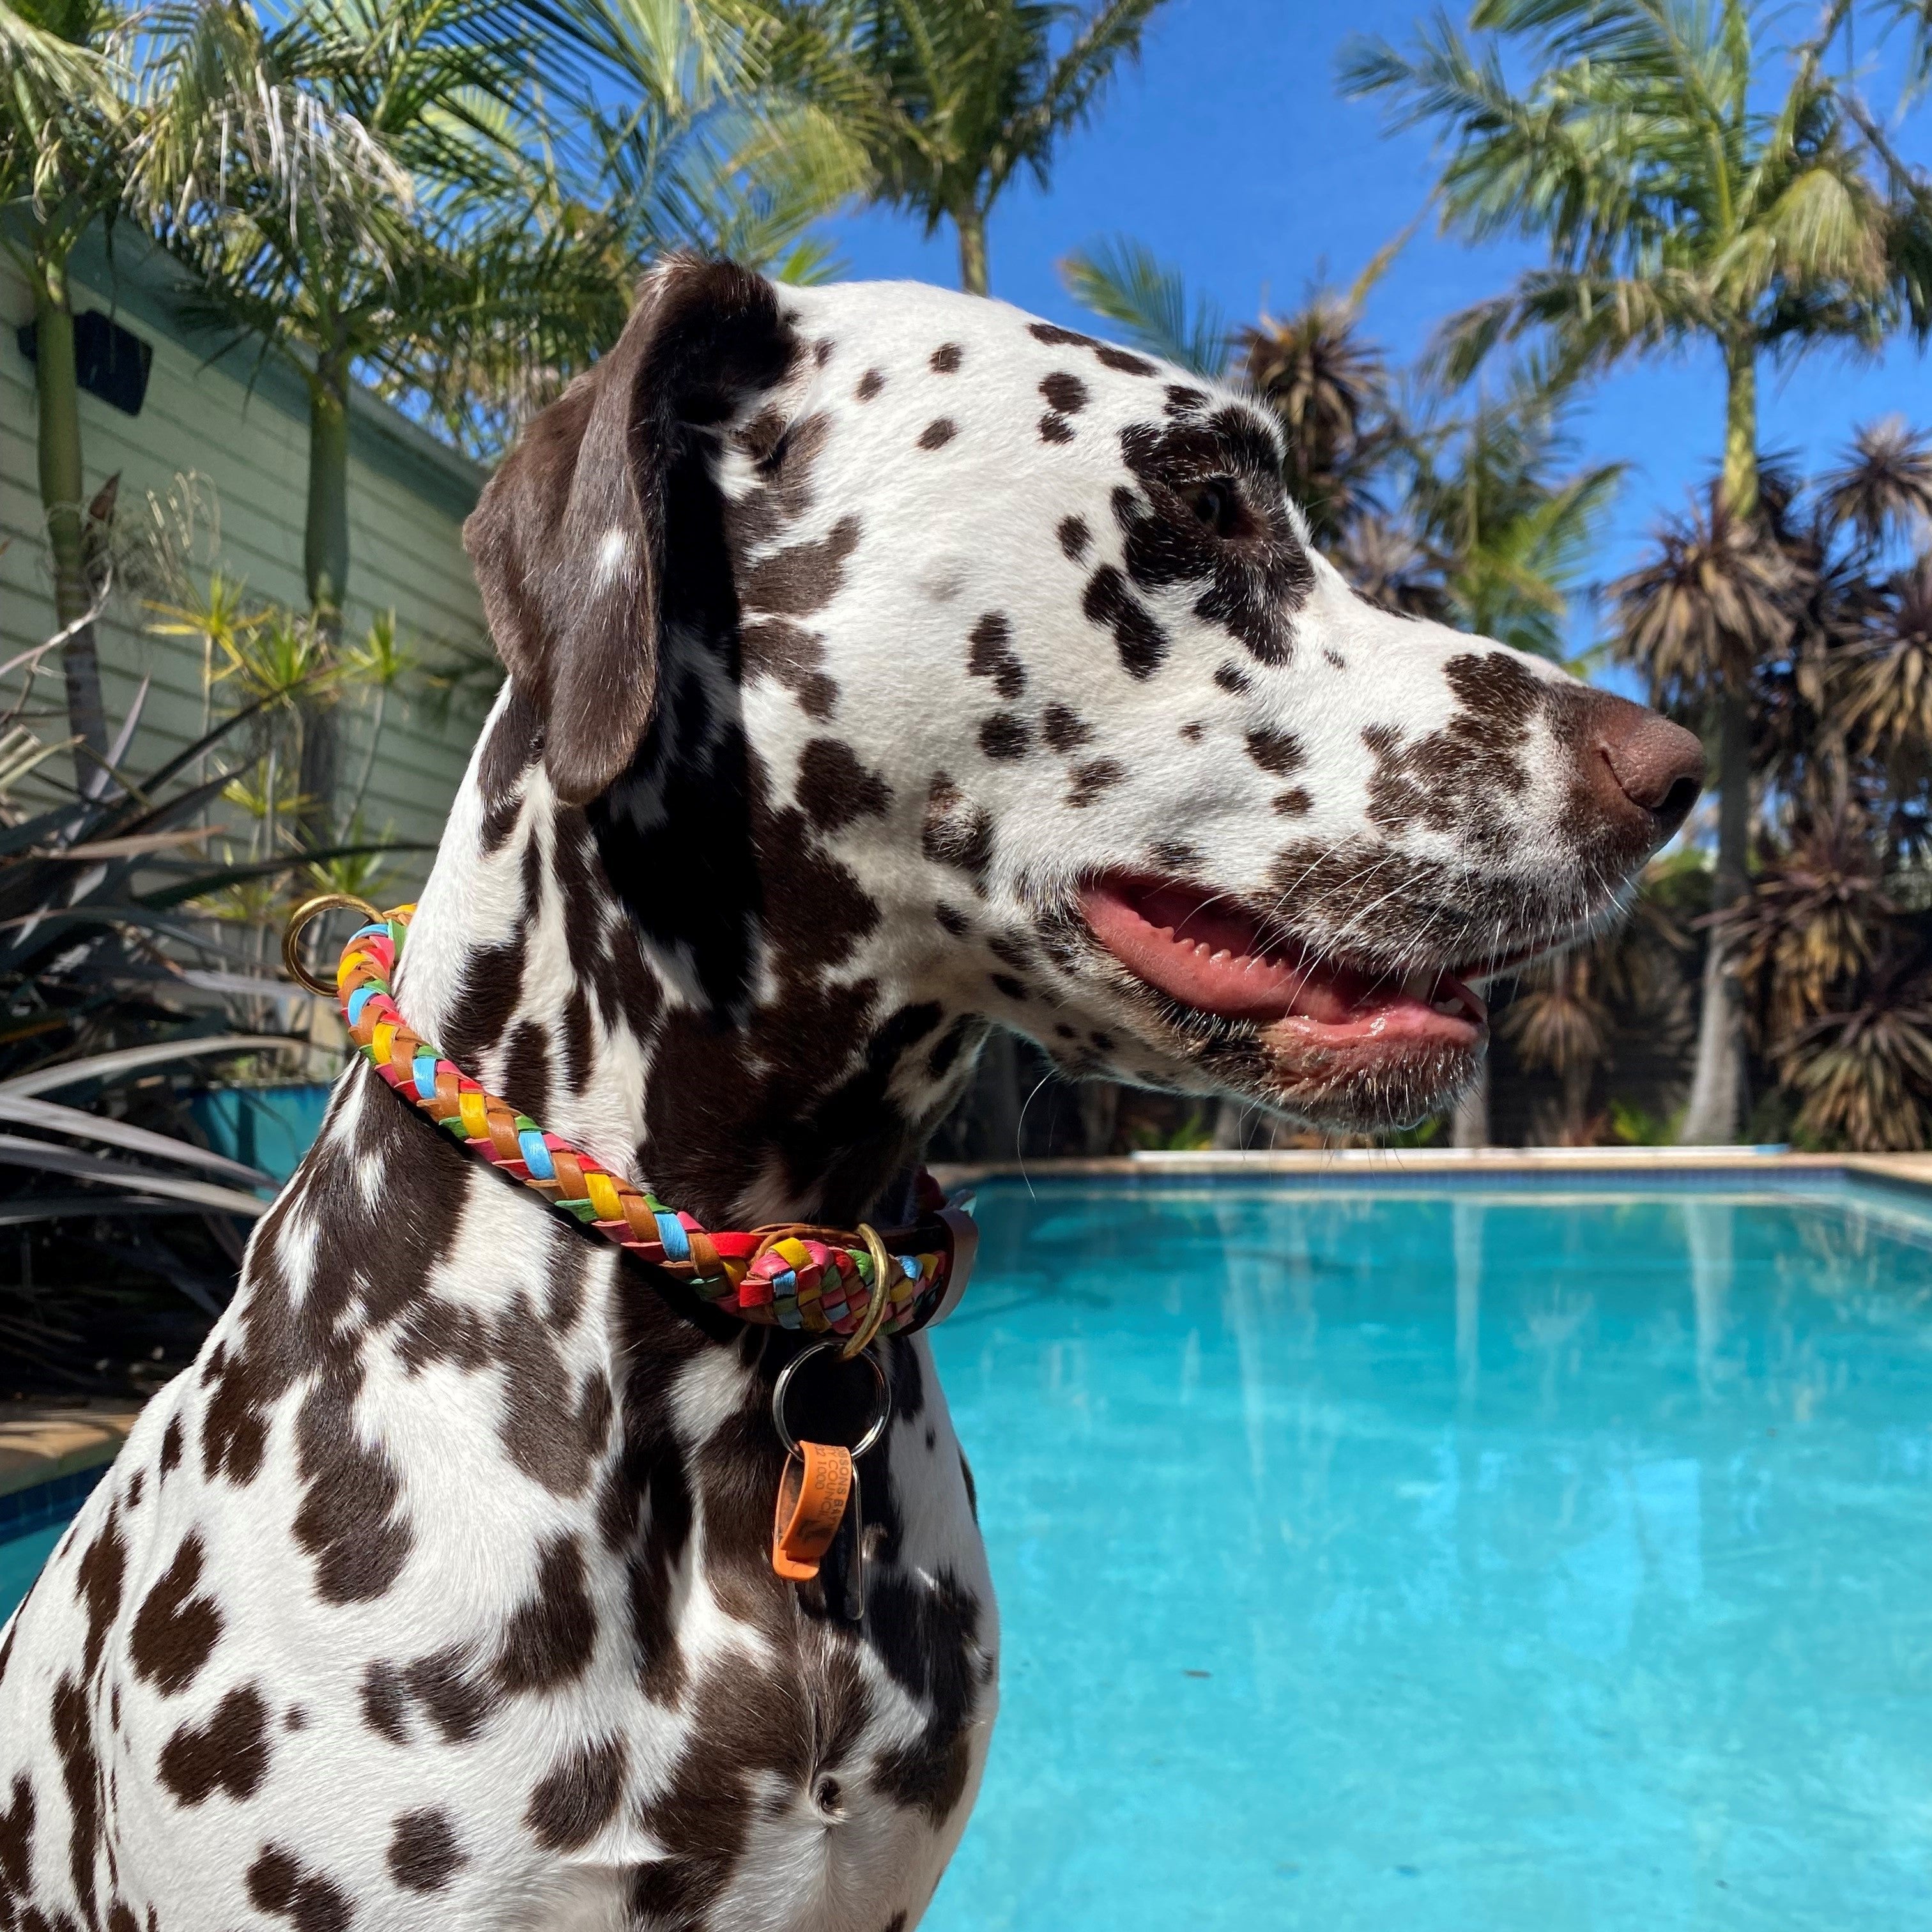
x=1507, y=1620
x=1468, y=1220
x=1707, y=1231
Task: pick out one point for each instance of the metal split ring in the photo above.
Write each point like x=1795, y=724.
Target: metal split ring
x=782, y=1387
x=298, y=920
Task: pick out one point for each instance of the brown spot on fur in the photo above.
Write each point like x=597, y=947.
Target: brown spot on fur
x=1279, y=752
x=991, y=655
x=16, y=1840
x=801, y=578
x=98, y=1580
x=938, y=434
x=1003, y=736
x=175, y=1630
x=348, y=1520
x=835, y=790
x=1054, y=337
x=1141, y=641
x=229, y=1753
x=1232, y=679
x=548, y=1639
x=1074, y=537
x=1064, y=729
x=1055, y=429
x=552, y=1433
x=1064, y=393
x=956, y=832
x=927, y=1635
x=870, y=384
x=1292, y=803
x=280, y=1885
x=947, y=358
x=424, y=1855
x=455, y=1697
x=777, y=648
x=1090, y=780
x=384, y=1702
x=171, y=1445
x=578, y=1797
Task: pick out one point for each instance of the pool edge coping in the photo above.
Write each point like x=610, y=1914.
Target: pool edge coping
x=52, y=1453
x=1910, y=1172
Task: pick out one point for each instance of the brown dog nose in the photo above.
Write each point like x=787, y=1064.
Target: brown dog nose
x=1659, y=767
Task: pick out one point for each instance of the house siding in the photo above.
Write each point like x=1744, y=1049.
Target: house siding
x=406, y=501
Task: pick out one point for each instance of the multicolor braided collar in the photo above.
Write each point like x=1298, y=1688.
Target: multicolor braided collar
x=817, y=1280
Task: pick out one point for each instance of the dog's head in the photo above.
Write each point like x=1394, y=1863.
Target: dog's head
x=921, y=664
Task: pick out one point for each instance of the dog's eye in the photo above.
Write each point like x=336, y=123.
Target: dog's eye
x=1215, y=505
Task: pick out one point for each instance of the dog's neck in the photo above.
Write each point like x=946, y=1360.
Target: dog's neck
x=586, y=1006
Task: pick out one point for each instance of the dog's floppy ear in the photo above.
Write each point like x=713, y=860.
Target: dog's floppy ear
x=569, y=539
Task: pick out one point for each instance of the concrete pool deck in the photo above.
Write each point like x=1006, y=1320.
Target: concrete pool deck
x=48, y=1450
x=44, y=1443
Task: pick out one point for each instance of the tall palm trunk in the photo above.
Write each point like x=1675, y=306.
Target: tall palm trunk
x=1716, y=1111
x=1470, y=1123
x=971, y=223
x=325, y=561
x=57, y=389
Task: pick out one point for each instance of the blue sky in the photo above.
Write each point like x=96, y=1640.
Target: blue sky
x=1230, y=154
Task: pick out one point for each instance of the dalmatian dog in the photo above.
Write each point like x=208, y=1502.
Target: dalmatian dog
x=885, y=666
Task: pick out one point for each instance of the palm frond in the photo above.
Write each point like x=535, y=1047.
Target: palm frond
x=1123, y=282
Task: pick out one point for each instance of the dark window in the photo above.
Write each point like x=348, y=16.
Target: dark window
x=110, y=361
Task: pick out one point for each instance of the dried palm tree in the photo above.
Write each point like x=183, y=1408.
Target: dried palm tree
x=1865, y=1075
x=1384, y=558
x=1817, y=918
x=1330, y=387
x=1560, y=1020
x=1887, y=687
x=1883, y=490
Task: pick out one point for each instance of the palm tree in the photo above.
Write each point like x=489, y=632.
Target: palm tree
x=950, y=100
x=1687, y=198
x=351, y=183
x=67, y=120
x=1123, y=282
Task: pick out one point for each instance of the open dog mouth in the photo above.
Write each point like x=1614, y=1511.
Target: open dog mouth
x=1217, y=958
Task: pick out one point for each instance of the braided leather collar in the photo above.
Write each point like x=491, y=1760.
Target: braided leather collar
x=796, y=1276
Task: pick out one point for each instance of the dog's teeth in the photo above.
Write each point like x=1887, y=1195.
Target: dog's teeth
x=1452, y=1007
x=1223, y=954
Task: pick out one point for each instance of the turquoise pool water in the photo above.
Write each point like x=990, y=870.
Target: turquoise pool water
x=1404, y=1559
x=1503, y=1561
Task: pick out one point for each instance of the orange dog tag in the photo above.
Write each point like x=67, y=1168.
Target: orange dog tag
x=812, y=1494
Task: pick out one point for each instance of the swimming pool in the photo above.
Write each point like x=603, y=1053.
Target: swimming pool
x=1512, y=1558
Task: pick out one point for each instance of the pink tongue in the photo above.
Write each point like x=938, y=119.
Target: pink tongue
x=1200, y=955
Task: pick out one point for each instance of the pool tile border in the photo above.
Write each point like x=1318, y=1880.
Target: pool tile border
x=42, y=1505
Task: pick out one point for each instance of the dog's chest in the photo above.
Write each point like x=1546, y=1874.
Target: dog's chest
x=430, y=1609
